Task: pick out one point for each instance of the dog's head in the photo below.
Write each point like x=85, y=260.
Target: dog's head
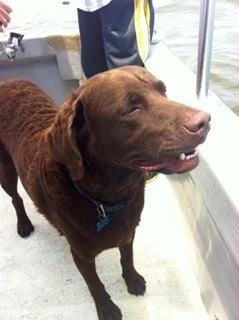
x=123, y=117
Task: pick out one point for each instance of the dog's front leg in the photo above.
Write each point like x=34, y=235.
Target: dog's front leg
x=106, y=309
x=136, y=284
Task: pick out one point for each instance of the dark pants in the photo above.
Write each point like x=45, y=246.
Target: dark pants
x=109, y=36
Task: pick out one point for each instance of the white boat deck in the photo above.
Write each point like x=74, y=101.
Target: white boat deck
x=38, y=279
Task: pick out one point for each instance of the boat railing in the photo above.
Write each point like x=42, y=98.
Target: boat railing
x=205, y=40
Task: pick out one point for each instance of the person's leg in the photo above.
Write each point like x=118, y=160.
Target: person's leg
x=127, y=27
x=92, y=48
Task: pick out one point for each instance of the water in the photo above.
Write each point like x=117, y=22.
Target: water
x=177, y=22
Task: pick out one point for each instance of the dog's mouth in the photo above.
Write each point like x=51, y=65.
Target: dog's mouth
x=182, y=163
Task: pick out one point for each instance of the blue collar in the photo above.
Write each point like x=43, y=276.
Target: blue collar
x=105, y=210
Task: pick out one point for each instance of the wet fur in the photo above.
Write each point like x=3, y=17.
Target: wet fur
x=90, y=138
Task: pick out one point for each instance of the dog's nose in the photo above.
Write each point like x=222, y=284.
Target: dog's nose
x=199, y=122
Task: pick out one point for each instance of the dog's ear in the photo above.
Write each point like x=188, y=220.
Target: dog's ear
x=61, y=136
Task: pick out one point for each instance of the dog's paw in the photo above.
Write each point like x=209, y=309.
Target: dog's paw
x=24, y=229
x=136, y=284
x=109, y=311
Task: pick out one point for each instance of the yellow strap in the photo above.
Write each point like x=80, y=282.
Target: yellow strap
x=142, y=27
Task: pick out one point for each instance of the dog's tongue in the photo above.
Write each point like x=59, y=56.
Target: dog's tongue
x=152, y=165
x=172, y=166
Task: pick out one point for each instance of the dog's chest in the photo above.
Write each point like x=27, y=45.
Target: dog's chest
x=119, y=230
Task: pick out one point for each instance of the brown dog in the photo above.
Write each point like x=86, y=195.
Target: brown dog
x=83, y=164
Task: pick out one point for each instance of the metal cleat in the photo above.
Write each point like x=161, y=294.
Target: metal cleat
x=13, y=44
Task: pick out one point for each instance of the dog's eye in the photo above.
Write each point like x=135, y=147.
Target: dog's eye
x=134, y=100
x=130, y=110
x=134, y=109
x=134, y=105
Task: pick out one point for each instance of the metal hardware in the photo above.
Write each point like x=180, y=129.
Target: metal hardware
x=103, y=219
x=100, y=210
x=14, y=43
